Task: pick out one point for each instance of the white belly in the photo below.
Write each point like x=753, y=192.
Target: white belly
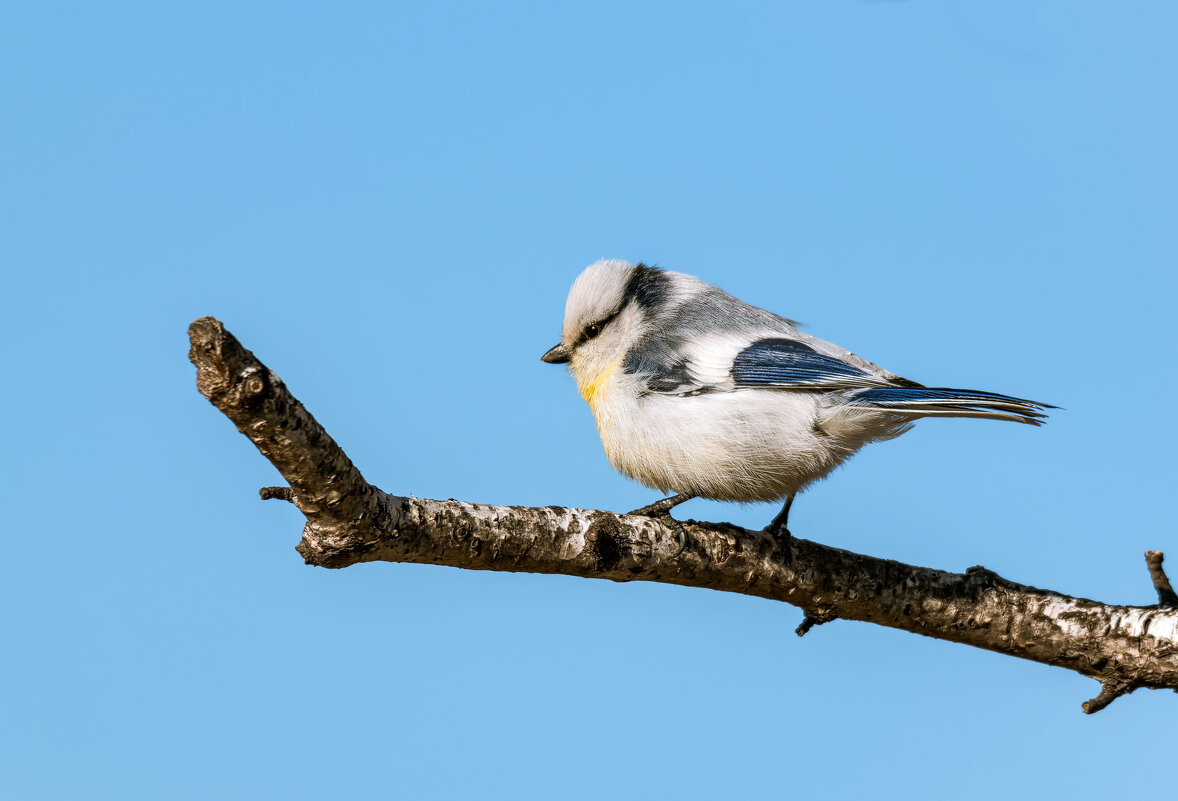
x=747, y=445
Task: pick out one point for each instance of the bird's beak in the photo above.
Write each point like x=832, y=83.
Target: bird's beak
x=557, y=355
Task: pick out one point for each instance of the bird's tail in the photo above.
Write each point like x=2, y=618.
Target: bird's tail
x=944, y=402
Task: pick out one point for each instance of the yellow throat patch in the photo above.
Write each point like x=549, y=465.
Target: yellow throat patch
x=594, y=387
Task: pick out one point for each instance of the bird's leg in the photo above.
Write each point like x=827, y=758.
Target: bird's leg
x=661, y=510
x=779, y=528
x=663, y=507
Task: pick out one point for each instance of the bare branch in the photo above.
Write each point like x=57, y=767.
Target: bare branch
x=350, y=521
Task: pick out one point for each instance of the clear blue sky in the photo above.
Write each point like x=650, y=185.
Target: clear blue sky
x=387, y=203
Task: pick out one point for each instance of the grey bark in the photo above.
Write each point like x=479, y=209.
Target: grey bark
x=350, y=521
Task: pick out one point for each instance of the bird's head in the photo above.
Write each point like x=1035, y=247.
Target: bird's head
x=609, y=307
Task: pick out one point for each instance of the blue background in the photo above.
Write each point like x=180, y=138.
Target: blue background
x=387, y=203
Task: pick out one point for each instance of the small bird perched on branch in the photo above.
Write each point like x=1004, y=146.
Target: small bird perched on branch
x=702, y=395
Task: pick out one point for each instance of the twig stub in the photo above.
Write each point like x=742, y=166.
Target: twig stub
x=1109, y=692
x=1167, y=598
x=814, y=618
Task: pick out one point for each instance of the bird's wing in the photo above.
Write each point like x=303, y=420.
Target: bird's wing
x=747, y=348
x=783, y=363
x=727, y=361
x=716, y=343
x=793, y=364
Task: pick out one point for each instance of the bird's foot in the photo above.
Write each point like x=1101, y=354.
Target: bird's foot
x=786, y=541
x=661, y=511
x=779, y=530
x=660, y=508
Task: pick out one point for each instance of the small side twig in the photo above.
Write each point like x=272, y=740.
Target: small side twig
x=277, y=494
x=814, y=618
x=1167, y=598
x=1109, y=692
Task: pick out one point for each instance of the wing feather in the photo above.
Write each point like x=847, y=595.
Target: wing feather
x=791, y=364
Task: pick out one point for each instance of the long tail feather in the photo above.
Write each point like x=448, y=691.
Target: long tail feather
x=945, y=402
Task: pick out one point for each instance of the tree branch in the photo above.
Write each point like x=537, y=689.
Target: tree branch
x=350, y=521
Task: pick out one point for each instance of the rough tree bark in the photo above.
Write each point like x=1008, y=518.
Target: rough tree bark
x=351, y=521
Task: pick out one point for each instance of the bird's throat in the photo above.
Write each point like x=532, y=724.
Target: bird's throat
x=595, y=386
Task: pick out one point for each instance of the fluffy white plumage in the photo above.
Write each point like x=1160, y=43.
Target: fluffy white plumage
x=698, y=393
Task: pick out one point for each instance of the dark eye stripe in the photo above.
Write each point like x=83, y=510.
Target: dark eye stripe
x=599, y=325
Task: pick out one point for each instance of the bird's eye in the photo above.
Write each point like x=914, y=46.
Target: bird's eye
x=592, y=330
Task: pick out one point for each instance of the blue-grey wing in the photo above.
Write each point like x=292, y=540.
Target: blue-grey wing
x=727, y=363
x=784, y=363
x=789, y=363
x=715, y=343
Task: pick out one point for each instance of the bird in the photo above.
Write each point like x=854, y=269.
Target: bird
x=700, y=395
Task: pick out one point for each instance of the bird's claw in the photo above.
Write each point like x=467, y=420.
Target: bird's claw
x=657, y=511
x=784, y=539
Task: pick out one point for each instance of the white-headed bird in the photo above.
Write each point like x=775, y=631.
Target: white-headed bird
x=699, y=394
